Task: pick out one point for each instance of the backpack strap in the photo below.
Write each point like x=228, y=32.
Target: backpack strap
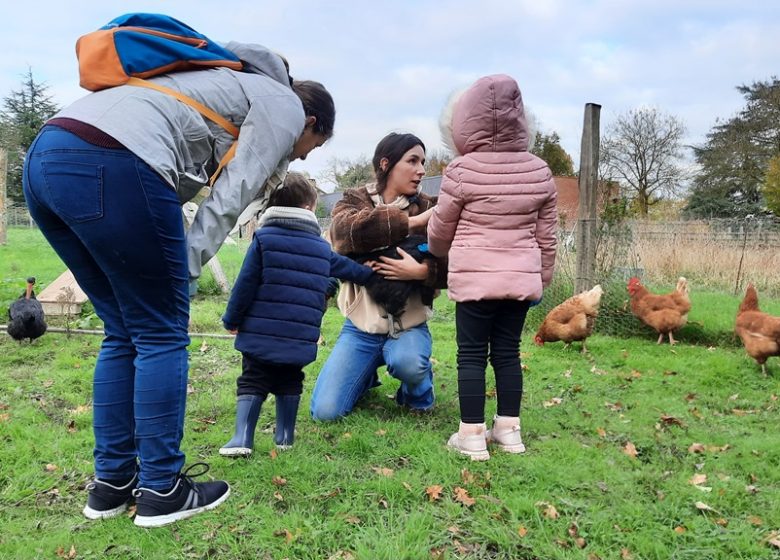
x=213, y=116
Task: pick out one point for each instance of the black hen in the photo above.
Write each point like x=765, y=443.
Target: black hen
x=393, y=294
x=25, y=316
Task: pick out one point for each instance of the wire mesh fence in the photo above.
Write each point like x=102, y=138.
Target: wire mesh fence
x=719, y=256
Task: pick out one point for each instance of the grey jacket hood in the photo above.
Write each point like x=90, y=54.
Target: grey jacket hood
x=258, y=59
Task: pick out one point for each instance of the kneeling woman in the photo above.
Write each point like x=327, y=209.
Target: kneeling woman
x=365, y=219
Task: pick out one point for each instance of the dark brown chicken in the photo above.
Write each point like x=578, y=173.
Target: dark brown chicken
x=25, y=316
x=759, y=331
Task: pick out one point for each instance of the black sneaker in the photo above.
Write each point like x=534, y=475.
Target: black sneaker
x=185, y=499
x=106, y=500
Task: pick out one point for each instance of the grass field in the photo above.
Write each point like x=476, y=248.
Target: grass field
x=635, y=451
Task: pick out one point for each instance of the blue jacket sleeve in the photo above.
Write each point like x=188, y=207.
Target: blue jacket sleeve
x=344, y=268
x=249, y=278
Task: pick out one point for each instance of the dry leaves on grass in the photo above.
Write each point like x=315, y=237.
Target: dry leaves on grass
x=701, y=448
x=698, y=479
x=279, y=481
x=774, y=539
x=384, y=471
x=522, y=531
x=462, y=495
x=555, y=401
x=630, y=450
x=288, y=536
x=548, y=510
x=70, y=554
x=434, y=492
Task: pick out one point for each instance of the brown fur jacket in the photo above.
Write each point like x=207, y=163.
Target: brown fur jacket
x=361, y=223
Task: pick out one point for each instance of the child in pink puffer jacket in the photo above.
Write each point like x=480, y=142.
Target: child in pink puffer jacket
x=496, y=218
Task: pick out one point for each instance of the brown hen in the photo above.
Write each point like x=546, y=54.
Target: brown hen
x=665, y=313
x=759, y=331
x=571, y=320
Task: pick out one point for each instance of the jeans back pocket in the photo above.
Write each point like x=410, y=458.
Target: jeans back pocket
x=76, y=189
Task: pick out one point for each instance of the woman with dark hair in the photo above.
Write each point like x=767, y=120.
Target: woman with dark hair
x=367, y=218
x=104, y=181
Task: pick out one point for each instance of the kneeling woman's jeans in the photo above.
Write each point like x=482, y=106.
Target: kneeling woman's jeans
x=350, y=370
x=118, y=226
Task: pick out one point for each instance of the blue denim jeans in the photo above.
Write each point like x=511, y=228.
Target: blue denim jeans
x=118, y=227
x=351, y=370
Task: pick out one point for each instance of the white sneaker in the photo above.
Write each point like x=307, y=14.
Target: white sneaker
x=470, y=440
x=506, y=434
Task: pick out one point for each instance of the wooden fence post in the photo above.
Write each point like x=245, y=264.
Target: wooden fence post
x=586, y=212
x=3, y=196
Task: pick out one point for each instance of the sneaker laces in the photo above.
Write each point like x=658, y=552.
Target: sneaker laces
x=187, y=476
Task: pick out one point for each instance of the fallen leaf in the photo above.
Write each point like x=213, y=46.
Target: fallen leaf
x=380, y=432
x=279, y=481
x=466, y=476
x=384, y=471
x=679, y=529
x=51, y=467
x=625, y=554
x=670, y=372
x=573, y=530
x=601, y=432
x=635, y=374
x=453, y=529
x=755, y=520
x=204, y=346
x=434, y=492
x=352, y=520
x=562, y=543
x=630, y=450
x=273, y=454
x=671, y=420
x=580, y=542
x=5, y=417
x=555, y=401
x=522, y=531
x=774, y=539
x=383, y=503
x=616, y=406
x=548, y=510
x=690, y=397
x=698, y=479
x=278, y=496
x=750, y=489
x=701, y=506
x=462, y=496
x=722, y=522
x=696, y=448
x=288, y=536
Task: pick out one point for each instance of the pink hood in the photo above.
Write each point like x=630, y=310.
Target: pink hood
x=489, y=117
x=496, y=215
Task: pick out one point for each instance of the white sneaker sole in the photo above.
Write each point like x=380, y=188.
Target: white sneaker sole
x=160, y=520
x=90, y=513
x=235, y=451
x=481, y=455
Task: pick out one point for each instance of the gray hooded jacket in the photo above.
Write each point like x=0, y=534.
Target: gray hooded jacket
x=185, y=148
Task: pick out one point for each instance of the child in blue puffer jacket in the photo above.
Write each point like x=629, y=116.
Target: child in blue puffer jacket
x=276, y=308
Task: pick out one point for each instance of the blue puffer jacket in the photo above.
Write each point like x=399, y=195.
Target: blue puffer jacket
x=278, y=300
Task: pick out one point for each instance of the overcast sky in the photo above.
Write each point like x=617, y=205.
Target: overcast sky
x=391, y=65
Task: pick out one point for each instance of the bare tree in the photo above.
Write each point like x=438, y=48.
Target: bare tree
x=643, y=150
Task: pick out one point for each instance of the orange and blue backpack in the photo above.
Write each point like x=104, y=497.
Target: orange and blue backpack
x=138, y=45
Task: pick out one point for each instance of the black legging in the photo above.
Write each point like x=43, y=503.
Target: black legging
x=489, y=329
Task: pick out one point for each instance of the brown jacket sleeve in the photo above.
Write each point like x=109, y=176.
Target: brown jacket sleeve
x=359, y=227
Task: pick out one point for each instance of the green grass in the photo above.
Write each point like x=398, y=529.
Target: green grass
x=338, y=502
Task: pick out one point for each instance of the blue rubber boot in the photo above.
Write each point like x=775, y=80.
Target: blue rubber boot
x=247, y=412
x=286, y=412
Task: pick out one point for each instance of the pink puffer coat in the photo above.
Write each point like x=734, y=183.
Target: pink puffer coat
x=496, y=214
